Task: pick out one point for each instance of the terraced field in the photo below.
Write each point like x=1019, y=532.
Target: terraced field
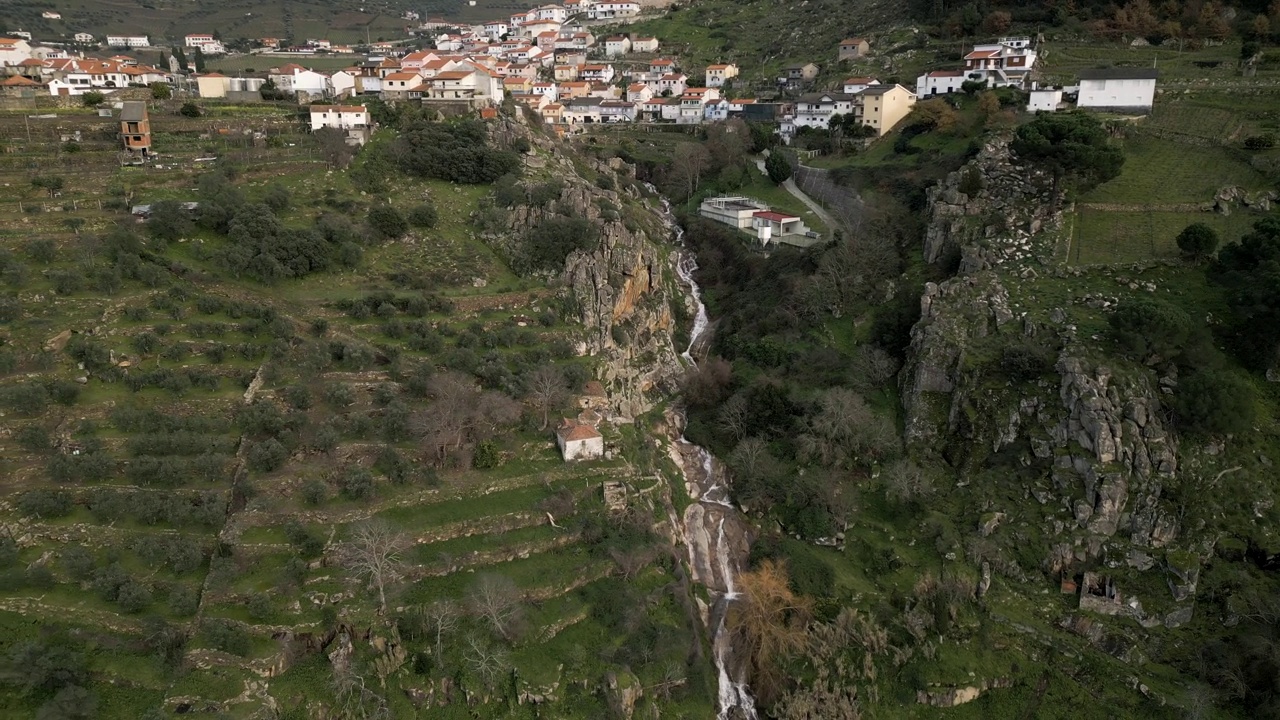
x=190, y=456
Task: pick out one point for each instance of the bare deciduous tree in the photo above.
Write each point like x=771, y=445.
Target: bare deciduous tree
x=442, y=619
x=734, y=418
x=905, y=481
x=375, y=552
x=486, y=659
x=493, y=411
x=832, y=438
x=705, y=384
x=688, y=163
x=547, y=391
x=460, y=413
x=355, y=699
x=333, y=146
x=496, y=600
x=872, y=366
x=751, y=458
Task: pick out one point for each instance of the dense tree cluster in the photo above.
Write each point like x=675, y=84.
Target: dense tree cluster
x=261, y=246
x=456, y=151
x=548, y=243
x=1249, y=274
x=774, y=401
x=1073, y=146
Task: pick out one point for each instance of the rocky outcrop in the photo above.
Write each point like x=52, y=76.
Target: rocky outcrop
x=619, y=289
x=952, y=316
x=623, y=691
x=1094, y=442
x=990, y=210
x=1113, y=443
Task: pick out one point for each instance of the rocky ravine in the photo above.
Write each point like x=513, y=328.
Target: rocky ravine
x=1098, y=433
x=623, y=292
x=622, y=289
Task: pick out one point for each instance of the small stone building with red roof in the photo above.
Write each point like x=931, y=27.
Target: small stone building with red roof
x=579, y=441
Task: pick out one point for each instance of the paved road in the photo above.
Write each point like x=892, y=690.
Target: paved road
x=790, y=186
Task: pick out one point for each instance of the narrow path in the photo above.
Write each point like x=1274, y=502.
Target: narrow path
x=790, y=186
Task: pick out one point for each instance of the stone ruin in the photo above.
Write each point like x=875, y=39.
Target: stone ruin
x=1098, y=593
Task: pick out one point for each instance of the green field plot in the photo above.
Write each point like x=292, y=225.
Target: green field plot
x=1188, y=118
x=1103, y=237
x=1163, y=172
x=1064, y=59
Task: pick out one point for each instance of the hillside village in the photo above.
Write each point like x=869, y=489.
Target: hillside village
x=626, y=360
x=549, y=60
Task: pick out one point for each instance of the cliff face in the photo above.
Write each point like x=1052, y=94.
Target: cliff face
x=1089, y=430
x=621, y=290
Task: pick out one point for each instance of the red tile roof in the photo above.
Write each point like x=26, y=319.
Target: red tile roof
x=774, y=216
x=571, y=430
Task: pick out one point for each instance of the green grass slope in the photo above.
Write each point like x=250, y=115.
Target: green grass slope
x=178, y=549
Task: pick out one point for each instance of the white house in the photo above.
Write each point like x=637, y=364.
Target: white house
x=596, y=73
x=714, y=110
x=401, y=85
x=612, y=10
x=1007, y=63
x=544, y=87
x=467, y=83
x=579, y=441
x=537, y=27
x=855, y=85
x=752, y=216
x=770, y=224
x=341, y=117
x=617, y=111
x=638, y=93
x=672, y=84
x=939, y=82
x=737, y=212
x=693, y=103
x=550, y=13
x=292, y=78
x=83, y=38
x=13, y=51
x=615, y=45
x=1044, y=100
x=1125, y=90
x=644, y=44
x=344, y=82
x=51, y=15
x=816, y=109
x=496, y=29
x=130, y=41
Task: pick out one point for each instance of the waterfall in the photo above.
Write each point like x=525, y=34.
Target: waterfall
x=733, y=699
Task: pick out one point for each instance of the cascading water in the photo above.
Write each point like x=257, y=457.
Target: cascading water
x=713, y=562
